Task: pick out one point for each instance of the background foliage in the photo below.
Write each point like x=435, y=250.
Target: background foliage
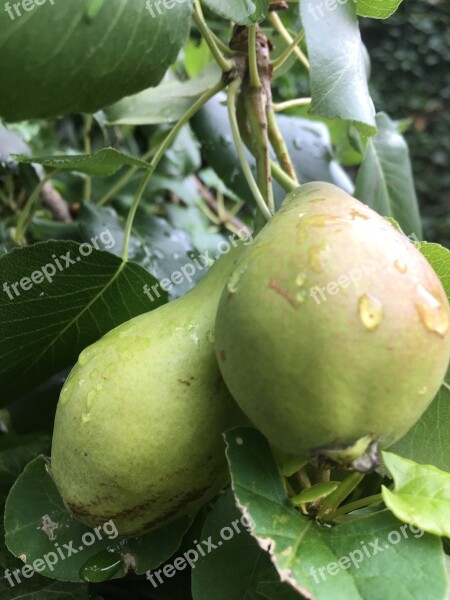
x=410, y=54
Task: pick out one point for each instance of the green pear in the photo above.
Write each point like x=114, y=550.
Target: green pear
x=333, y=330
x=138, y=430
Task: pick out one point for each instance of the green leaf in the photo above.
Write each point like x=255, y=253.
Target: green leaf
x=155, y=244
x=43, y=328
x=315, y=492
x=385, y=181
x=146, y=108
x=310, y=147
x=242, y=12
x=36, y=529
x=39, y=588
x=103, y=163
x=338, y=73
x=65, y=59
x=421, y=495
x=93, y=7
x=197, y=56
x=35, y=410
x=277, y=591
x=377, y=9
x=439, y=259
x=288, y=463
x=428, y=442
x=15, y=452
x=371, y=557
x=239, y=555
x=183, y=158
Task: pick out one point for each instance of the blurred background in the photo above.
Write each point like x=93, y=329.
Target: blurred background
x=410, y=55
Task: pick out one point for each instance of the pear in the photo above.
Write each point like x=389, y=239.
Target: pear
x=138, y=429
x=333, y=330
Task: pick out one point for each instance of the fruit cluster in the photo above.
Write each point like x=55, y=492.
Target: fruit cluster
x=138, y=432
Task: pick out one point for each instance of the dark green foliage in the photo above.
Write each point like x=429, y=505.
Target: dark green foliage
x=410, y=54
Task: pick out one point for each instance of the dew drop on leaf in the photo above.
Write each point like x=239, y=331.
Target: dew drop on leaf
x=102, y=567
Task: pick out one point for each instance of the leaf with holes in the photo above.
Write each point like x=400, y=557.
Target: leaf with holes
x=368, y=558
x=36, y=529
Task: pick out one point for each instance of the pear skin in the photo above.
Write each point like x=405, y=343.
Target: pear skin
x=138, y=430
x=333, y=327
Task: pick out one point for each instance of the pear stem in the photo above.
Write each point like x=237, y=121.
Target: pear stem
x=280, y=147
x=279, y=26
x=284, y=56
x=331, y=503
x=303, y=479
x=351, y=506
x=283, y=178
x=256, y=113
x=282, y=106
x=233, y=92
x=225, y=64
x=255, y=79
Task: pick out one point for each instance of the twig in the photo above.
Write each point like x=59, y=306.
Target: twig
x=213, y=204
x=282, y=106
x=225, y=64
x=284, y=56
x=279, y=26
x=53, y=200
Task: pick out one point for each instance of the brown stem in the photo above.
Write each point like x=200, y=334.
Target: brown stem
x=277, y=6
x=53, y=200
x=211, y=201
